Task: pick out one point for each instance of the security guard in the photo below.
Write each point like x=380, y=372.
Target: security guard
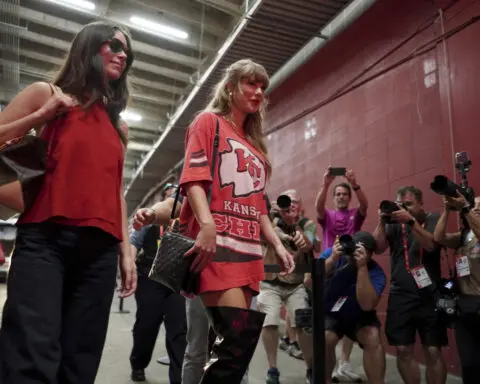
x=155, y=304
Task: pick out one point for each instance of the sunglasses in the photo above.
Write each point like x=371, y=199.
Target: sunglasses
x=116, y=46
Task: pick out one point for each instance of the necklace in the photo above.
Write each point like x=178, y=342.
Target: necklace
x=234, y=126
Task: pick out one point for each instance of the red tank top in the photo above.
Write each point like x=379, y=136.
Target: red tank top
x=84, y=173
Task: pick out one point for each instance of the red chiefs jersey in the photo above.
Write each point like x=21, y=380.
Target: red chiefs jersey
x=237, y=202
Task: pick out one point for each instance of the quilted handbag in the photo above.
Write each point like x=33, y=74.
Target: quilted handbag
x=170, y=267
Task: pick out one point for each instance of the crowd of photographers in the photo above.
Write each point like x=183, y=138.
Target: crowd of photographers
x=420, y=301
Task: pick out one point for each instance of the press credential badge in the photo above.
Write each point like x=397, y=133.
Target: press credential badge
x=421, y=277
x=463, y=268
x=339, y=303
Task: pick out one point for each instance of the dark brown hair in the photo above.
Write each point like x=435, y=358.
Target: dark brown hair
x=83, y=72
x=402, y=191
x=343, y=185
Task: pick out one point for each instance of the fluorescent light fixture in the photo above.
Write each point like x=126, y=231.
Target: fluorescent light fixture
x=76, y=4
x=131, y=116
x=157, y=28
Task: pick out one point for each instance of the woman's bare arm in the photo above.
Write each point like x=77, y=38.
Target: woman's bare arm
x=24, y=112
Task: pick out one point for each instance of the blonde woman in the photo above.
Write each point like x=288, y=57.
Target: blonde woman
x=227, y=229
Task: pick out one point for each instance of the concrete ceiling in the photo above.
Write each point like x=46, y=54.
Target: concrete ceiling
x=36, y=34
x=271, y=33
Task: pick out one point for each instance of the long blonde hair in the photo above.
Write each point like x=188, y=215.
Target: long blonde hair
x=221, y=102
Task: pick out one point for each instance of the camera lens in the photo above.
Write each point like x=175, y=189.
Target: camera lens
x=348, y=246
x=284, y=202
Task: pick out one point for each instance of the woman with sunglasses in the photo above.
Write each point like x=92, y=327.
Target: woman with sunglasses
x=227, y=229
x=63, y=270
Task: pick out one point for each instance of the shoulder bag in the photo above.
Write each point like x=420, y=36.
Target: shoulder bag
x=23, y=164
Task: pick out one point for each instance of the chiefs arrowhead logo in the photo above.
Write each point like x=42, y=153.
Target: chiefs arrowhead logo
x=242, y=169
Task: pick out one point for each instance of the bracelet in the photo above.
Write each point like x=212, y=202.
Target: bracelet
x=411, y=222
x=356, y=188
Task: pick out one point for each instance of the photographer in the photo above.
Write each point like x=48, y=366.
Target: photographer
x=467, y=263
x=336, y=222
x=415, y=270
x=353, y=289
x=297, y=235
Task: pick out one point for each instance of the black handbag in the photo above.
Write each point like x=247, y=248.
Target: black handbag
x=170, y=267
x=23, y=164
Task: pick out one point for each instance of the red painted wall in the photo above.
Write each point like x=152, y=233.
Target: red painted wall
x=402, y=127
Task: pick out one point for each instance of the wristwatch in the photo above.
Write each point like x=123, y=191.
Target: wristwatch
x=411, y=222
x=356, y=188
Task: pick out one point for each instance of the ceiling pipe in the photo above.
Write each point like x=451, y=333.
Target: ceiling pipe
x=345, y=18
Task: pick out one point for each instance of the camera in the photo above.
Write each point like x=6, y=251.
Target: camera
x=442, y=185
x=387, y=207
x=347, y=244
x=446, y=300
x=304, y=318
x=284, y=201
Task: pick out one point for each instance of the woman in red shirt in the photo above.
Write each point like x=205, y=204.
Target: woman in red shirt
x=63, y=271
x=228, y=228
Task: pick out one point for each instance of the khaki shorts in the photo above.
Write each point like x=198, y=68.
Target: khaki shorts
x=271, y=298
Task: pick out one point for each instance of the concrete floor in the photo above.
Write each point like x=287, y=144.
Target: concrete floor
x=115, y=369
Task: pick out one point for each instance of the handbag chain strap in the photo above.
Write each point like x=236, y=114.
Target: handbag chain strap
x=212, y=170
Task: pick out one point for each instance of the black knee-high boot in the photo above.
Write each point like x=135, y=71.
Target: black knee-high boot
x=237, y=331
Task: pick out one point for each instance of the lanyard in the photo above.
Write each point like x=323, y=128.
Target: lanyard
x=161, y=231
x=405, y=247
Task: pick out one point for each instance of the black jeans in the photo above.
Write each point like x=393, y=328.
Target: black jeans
x=59, y=294
x=467, y=336
x=155, y=304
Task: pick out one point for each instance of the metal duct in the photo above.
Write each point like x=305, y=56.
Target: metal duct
x=332, y=29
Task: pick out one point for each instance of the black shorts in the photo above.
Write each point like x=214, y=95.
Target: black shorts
x=350, y=328
x=404, y=321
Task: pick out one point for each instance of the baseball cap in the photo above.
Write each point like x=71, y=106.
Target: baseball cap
x=366, y=239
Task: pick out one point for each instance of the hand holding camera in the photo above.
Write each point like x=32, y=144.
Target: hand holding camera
x=328, y=176
x=401, y=216
x=455, y=203
x=351, y=178
x=360, y=256
x=337, y=250
x=391, y=212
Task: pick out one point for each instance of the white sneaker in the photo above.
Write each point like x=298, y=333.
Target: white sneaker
x=164, y=360
x=345, y=374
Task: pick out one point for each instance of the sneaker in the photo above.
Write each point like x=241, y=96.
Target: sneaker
x=295, y=351
x=138, y=375
x=273, y=376
x=344, y=374
x=308, y=377
x=284, y=343
x=164, y=360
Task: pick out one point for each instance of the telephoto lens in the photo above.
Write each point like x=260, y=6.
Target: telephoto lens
x=347, y=244
x=284, y=202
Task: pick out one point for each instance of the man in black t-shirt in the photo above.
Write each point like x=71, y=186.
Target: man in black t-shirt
x=414, y=270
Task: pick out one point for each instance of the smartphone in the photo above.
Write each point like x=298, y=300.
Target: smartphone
x=337, y=171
